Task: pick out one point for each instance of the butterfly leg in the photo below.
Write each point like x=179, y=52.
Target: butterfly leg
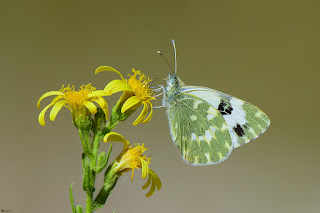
x=158, y=94
x=158, y=88
x=157, y=107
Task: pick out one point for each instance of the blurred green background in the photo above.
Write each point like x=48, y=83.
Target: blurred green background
x=262, y=51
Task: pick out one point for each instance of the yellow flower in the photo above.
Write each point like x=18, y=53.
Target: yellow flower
x=132, y=158
x=80, y=103
x=136, y=92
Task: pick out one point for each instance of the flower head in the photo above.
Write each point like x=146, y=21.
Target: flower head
x=136, y=92
x=80, y=103
x=132, y=158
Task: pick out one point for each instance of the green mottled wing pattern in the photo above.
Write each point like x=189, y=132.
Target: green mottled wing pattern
x=199, y=131
x=244, y=120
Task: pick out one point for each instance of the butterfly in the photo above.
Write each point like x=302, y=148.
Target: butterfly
x=206, y=124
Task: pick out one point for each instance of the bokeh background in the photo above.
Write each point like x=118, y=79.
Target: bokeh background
x=262, y=51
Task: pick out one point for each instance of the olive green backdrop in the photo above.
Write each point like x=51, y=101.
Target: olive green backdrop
x=262, y=51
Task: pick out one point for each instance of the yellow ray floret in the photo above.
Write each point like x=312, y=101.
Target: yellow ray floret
x=136, y=92
x=154, y=180
x=78, y=102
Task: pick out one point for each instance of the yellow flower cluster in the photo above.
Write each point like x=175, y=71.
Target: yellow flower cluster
x=80, y=103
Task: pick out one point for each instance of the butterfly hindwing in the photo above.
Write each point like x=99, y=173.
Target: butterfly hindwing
x=199, y=130
x=244, y=120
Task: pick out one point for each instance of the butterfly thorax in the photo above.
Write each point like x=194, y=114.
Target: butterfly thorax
x=174, y=85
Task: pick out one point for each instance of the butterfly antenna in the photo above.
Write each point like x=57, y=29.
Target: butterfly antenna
x=153, y=81
x=175, y=56
x=165, y=59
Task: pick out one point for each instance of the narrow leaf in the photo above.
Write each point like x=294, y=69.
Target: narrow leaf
x=86, y=173
x=71, y=200
x=102, y=162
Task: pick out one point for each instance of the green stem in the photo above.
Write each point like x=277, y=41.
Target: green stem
x=85, y=140
x=110, y=125
x=95, y=147
x=110, y=181
x=92, y=153
x=89, y=202
x=93, y=161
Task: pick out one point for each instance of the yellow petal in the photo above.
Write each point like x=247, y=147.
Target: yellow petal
x=150, y=114
x=97, y=93
x=107, y=68
x=122, y=88
x=56, y=108
x=145, y=168
x=104, y=106
x=142, y=115
x=115, y=137
x=155, y=182
x=130, y=102
x=147, y=184
x=56, y=99
x=48, y=94
x=91, y=107
x=155, y=179
x=42, y=113
x=152, y=188
x=99, y=100
x=117, y=86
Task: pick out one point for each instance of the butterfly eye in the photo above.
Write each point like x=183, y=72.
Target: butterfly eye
x=172, y=79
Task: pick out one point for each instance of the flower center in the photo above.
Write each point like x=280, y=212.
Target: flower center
x=77, y=97
x=130, y=158
x=140, y=86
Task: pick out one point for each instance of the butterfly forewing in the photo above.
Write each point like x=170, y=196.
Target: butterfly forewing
x=199, y=130
x=244, y=120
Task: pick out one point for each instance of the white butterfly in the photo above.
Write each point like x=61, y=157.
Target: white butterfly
x=206, y=124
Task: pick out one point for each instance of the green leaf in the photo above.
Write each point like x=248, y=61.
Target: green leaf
x=71, y=200
x=87, y=174
x=103, y=160
x=79, y=209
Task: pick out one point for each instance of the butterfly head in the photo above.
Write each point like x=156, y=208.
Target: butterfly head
x=174, y=82
x=172, y=79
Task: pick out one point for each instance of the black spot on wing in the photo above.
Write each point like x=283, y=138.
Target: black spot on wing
x=225, y=108
x=238, y=129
